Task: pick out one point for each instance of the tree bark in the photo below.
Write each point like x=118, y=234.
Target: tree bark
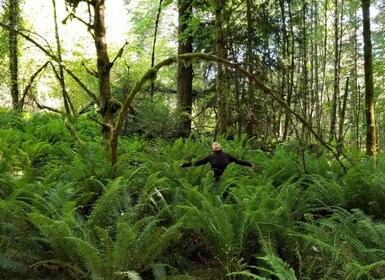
x=185, y=70
x=291, y=73
x=220, y=82
x=107, y=105
x=13, y=56
x=371, y=137
x=249, y=54
x=154, y=45
x=340, y=139
x=67, y=102
x=336, y=88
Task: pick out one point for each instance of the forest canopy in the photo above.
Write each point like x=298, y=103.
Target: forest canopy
x=103, y=101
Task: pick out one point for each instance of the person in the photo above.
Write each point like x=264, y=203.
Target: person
x=218, y=160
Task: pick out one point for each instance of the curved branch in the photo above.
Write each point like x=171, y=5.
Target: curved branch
x=189, y=58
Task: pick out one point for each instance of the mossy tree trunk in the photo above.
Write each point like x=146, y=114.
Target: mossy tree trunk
x=13, y=55
x=103, y=66
x=371, y=138
x=220, y=83
x=185, y=70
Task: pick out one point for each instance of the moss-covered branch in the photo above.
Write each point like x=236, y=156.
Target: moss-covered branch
x=189, y=58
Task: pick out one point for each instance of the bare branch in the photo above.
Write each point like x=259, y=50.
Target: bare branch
x=119, y=55
x=31, y=79
x=90, y=71
x=54, y=58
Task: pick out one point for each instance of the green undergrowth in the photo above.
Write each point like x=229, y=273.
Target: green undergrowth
x=65, y=213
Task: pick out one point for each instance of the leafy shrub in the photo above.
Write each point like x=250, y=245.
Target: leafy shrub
x=364, y=187
x=153, y=119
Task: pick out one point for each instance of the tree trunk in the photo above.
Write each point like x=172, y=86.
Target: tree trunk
x=324, y=62
x=336, y=91
x=220, y=82
x=13, y=56
x=185, y=71
x=66, y=100
x=305, y=72
x=154, y=45
x=340, y=139
x=291, y=73
x=316, y=94
x=371, y=138
x=249, y=54
x=107, y=104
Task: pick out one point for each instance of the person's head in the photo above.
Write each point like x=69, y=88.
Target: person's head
x=216, y=147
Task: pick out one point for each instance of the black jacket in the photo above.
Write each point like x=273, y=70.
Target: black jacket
x=219, y=161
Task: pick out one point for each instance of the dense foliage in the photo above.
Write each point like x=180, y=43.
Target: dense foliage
x=65, y=213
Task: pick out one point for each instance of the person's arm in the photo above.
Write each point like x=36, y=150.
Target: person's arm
x=196, y=163
x=241, y=162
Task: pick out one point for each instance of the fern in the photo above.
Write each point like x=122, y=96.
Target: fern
x=57, y=268
x=93, y=261
x=280, y=269
x=110, y=205
x=55, y=234
x=341, y=243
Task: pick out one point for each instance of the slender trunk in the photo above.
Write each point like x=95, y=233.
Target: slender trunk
x=291, y=74
x=316, y=71
x=340, y=139
x=104, y=66
x=66, y=100
x=185, y=71
x=333, y=117
x=324, y=61
x=371, y=139
x=220, y=82
x=305, y=72
x=13, y=55
x=285, y=55
x=154, y=45
x=249, y=54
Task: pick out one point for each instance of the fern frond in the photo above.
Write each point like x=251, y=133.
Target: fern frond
x=58, y=267
x=108, y=207
x=247, y=275
x=279, y=268
x=55, y=234
x=91, y=257
x=357, y=271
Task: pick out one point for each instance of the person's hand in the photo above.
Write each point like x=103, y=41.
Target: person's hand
x=252, y=165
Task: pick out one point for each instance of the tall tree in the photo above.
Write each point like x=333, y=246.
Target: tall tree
x=108, y=105
x=371, y=138
x=220, y=82
x=185, y=71
x=13, y=52
x=154, y=44
x=337, y=57
x=290, y=50
x=60, y=75
x=249, y=58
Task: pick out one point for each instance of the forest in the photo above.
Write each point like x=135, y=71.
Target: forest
x=103, y=102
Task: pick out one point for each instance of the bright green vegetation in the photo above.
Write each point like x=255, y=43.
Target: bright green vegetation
x=65, y=213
